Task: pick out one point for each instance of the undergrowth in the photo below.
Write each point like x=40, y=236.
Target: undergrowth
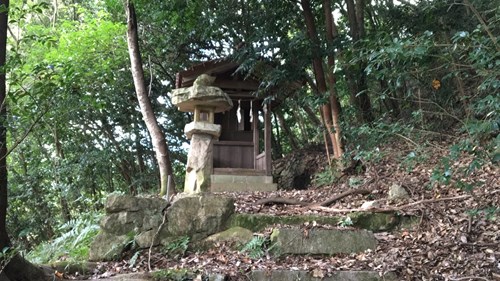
x=72, y=244
x=258, y=247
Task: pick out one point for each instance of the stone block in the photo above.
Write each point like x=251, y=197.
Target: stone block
x=198, y=216
x=116, y=203
x=121, y=223
x=106, y=247
x=243, y=187
x=287, y=275
x=322, y=241
x=238, y=236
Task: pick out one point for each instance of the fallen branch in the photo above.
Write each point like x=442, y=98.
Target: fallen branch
x=326, y=203
x=280, y=201
x=390, y=209
x=332, y=200
x=469, y=278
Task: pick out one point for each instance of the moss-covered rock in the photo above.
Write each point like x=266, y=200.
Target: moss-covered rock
x=365, y=220
x=236, y=236
x=322, y=241
x=106, y=246
x=82, y=268
x=375, y=221
x=286, y=275
x=257, y=222
x=198, y=216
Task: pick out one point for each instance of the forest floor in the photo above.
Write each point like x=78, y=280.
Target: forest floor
x=457, y=237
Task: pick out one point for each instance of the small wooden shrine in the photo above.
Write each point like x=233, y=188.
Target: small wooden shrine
x=242, y=154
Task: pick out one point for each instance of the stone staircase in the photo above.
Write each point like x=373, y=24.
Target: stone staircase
x=301, y=235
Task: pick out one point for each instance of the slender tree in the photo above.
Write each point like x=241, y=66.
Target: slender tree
x=13, y=266
x=321, y=84
x=331, y=33
x=356, y=74
x=4, y=239
x=158, y=139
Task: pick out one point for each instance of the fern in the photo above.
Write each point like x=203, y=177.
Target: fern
x=72, y=243
x=256, y=248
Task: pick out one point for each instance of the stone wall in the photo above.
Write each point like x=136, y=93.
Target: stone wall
x=134, y=221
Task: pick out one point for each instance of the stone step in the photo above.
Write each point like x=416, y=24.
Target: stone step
x=249, y=179
x=287, y=275
x=294, y=241
x=268, y=275
x=241, y=183
x=239, y=172
x=376, y=222
x=242, y=187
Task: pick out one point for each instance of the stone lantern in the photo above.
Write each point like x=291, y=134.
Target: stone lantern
x=204, y=101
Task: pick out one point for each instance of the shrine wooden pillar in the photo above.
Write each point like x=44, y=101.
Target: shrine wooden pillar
x=256, y=133
x=267, y=138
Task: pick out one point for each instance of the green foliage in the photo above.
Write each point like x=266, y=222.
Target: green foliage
x=325, y=177
x=413, y=158
x=346, y=222
x=354, y=182
x=444, y=173
x=70, y=89
x=133, y=259
x=172, y=275
x=178, y=247
x=72, y=244
x=257, y=247
x=79, y=135
x=489, y=213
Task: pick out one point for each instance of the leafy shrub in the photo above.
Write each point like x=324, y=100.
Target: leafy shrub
x=73, y=243
x=324, y=178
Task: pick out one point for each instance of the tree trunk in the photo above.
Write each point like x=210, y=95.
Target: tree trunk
x=286, y=130
x=65, y=210
x=311, y=116
x=159, y=143
x=4, y=239
x=276, y=139
x=318, y=70
x=331, y=32
x=17, y=268
x=125, y=166
x=140, y=162
x=356, y=74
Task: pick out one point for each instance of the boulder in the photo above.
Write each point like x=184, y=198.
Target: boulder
x=370, y=205
x=296, y=170
x=198, y=216
x=237, y=236
x=144, y=239
x=106, y=246
x=129, y=218
x=121, y=223
x=118, y=203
